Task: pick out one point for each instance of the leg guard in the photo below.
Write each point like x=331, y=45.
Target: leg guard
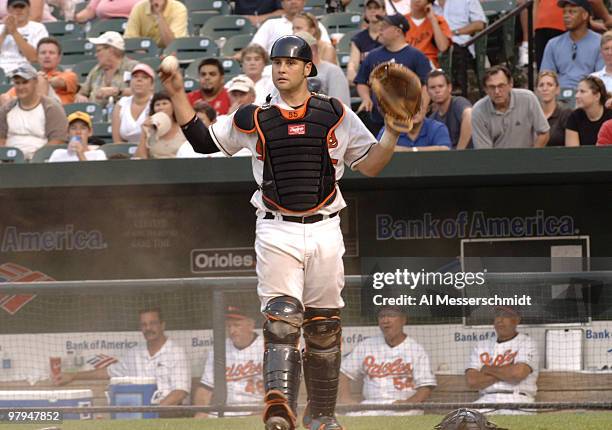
x=282, y=362
x=323, y=335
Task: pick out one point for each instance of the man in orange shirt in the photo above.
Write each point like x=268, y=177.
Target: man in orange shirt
x=52, y=82
x=428, y=32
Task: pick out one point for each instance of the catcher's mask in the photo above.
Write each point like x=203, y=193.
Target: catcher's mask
x=292, y=46
x=466, y=419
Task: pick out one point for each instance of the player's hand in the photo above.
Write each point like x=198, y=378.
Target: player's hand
x=173, y=83
x=62, y=378
x=366, y=105
x=10, y=25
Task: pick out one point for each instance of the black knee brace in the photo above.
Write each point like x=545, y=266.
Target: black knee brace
x=323, y=335
x=282, y=360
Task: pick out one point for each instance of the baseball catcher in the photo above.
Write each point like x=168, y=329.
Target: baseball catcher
x=466, y=419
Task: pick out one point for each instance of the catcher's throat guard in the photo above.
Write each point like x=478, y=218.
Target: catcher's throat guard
x=398, y=92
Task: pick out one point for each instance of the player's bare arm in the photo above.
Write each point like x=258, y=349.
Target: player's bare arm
x=478, y=380
x=421, y=395
x=380, y=154
x=202, y=397
x=344, y=390
x=66, y=378
x=175, y=397
x=512, y=373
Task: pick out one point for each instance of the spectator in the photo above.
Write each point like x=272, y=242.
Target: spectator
x=109, y=77
x=394, y=367
x=31, y=121
x=132, y=111
x=258, y=11
x=39, y=11
x=367, y=39
x=160, y=20
x=604, y=137
x=397, y=6
x=244, y=377
x=394, y=48
x=426, y=135
x=19, y=36
x=307, y=22
x=548, y=23
x=241, y=91
x=106, y=9
x=52, y=82
x=428, y=32
x=211, y=86
x=330, y=79
x=453, y=111
x=547, y=90
x=81, y=128
x=507, y=117
x=161, y=135
x=465, y=18
x=274, y=28
x=576, y=53
x=605, y=74
x=504, y=368
x=159, y=358
x=253, y=59
x=585, y=121
x=205, y=112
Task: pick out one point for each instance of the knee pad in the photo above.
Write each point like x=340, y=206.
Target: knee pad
x=322, y=328
x=284, y=318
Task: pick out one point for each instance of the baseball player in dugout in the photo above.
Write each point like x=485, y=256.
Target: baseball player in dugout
x=505, y=370
x=299, y=142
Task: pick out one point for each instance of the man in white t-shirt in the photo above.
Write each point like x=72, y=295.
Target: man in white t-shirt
x=80, y=130
x=159, y=357
x=274, y=28
x=31, y=121
x=394, y=367
x=19, y=36
x=504, y=370
x=243, y=365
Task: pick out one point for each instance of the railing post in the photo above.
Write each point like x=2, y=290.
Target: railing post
x=530, y=46
x=218, y=316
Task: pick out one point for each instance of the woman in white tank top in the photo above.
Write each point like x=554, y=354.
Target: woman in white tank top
x=131, y=112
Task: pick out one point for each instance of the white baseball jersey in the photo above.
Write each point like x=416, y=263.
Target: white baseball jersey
x=519, y=349
x=168, y=366
x=243, y=373
x=354, y=142
x=389, y=373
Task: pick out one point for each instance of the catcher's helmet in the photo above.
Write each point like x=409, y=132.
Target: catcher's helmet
x=292, y=46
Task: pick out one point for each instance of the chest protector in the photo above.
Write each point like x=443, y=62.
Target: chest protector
x=299, y=174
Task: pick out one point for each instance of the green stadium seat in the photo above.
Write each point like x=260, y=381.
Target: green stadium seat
x=83, y=68
x=77, y=47
x=344, y=45
x=44, y=153
x=192, y=71
x=93, y=109
x=11, y=155
x=140, y=45
x=104, y=25
x=230, y=66
x=309, y=5
x=3, y=77
x=219, y=7
x=70, y=61
x=104, y=131
x=197, y=21
x=154, y=62
x=568, y=96
x=190, y=85
x=226, y=26
x=343, y=60
x=356, y=6
x=235, y=44
x=188, y=49
x=111, y=149
x=341, y=22
x=65, y=28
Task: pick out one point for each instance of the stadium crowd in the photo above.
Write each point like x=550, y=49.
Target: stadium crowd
x=89, y=81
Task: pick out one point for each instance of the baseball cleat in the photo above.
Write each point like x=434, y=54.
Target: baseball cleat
x=324, y=423
x=278, y=423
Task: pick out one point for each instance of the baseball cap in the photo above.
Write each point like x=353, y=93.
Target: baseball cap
x=506, y=311
x=236, y=312
x=585, y=4
x=145, y=68
x=9, y=3
x=26, y=72
x=380, y=3
x=240, y=83
x=110, y=38
x=308, y=38
x=397, y=20
x=390, y=310
x=80, y=116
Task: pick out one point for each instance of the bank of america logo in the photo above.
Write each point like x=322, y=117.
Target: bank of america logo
x=101, y=360
x=11, y=272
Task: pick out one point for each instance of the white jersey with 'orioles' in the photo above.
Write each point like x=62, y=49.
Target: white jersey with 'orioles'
x=519, y=349
x=353, y=143
x=243, y=373
x=389, y=373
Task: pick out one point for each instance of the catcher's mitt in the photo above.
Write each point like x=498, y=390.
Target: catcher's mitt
x=466, y=419
x=398, y=91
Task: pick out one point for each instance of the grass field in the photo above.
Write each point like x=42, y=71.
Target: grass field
x=551, y=421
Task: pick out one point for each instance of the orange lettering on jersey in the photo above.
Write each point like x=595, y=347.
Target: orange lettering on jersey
x=396, y=368
x=500, y=360
x=239, y=371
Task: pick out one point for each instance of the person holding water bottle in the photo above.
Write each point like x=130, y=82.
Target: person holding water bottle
x=80, y=132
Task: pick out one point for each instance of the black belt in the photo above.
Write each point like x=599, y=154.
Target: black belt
x=311, y=219
x=508, y=392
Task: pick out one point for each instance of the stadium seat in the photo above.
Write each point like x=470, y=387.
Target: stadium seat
x=44, y=153
x=103, y=130
x=344, y=45
x=356, y=6
x=445, y=59
x=140, y=45
x=154, y=62
x=190, y=85
x=309, y=5
x=93, y=109
x=218, y=7
x=60, y=29
x=111, y=149
x=77, y=47
x=226, y=26
x=235, y=44
x=5, y=87
x=568, y=96
x=343, y=60
x=341, y=22
x=231, y=67
x=192, y=71
x=11, y=155
x=3, y=78
x=104, y=25
x=83, y=68
x=197, y=21
x=188, y=49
